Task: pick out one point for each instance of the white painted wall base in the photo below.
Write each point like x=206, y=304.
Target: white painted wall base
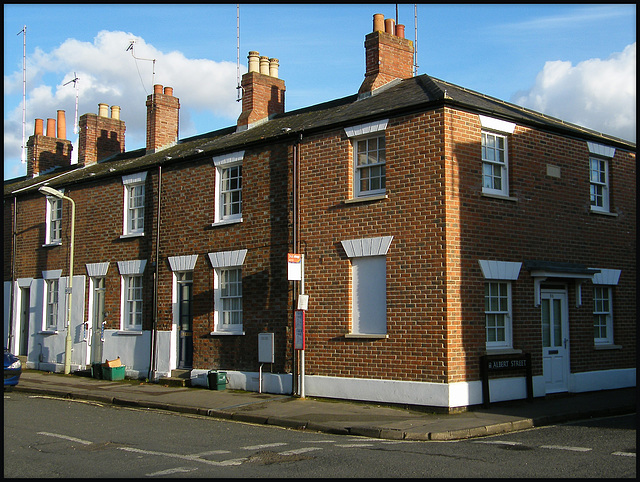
x=278, y=383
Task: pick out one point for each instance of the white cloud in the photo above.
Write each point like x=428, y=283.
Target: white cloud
x=597, y=94
x=109, y=74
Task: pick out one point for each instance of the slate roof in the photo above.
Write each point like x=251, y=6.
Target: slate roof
x=396, y=98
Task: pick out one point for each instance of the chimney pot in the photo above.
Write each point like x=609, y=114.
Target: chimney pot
x=39, y=128
x=103, y=110
x=62, y=125
x=264, y=65
x=400, y=30
x=254, y=63
x=115, y=112
x=388, y=25
x=157, y=89
x=378, y=22
x=273, y=67
x=51, y=127
x=168, y=91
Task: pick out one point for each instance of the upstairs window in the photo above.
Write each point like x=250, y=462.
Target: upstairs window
x=370, y=166
x=369, y=158
x=600, y=176
x=495, y=175
x=54, y=221
x=134, y=201
x=495, y=155
x=228, y=187
x=599, y=184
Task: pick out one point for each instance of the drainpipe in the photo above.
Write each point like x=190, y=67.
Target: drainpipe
x=12, y=317
x=154, y=332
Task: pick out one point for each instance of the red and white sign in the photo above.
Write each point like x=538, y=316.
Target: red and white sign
x=294, y=267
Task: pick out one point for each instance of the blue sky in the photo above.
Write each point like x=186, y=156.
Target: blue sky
x=575, y=62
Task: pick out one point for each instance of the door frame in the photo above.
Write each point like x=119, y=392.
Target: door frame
x=563, y=349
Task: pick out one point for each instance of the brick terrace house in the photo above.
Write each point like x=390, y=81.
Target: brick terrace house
x=438, y=225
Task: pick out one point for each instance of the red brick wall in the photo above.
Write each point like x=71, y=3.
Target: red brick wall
x=163, y=114
x=45, y=153
x=262, y=96
x=414, y=214
x=551, y=220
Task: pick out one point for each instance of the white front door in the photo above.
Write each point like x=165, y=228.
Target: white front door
x=555, y=340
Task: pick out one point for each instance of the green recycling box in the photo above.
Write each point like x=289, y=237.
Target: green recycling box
x=113, y=373
x=217, y=380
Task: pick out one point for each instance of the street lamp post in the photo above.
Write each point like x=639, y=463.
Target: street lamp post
x=48, y=191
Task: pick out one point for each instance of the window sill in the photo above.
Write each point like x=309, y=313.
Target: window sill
x=499, y=196
x=51, y=245
x=502, y=351
x=608, y=346
x=131, y=235
x=369, y=336
x=364, y=199
x=603, y=213
x=226, y=333
x=225, y=222
x=48, y=332
x=128, y=332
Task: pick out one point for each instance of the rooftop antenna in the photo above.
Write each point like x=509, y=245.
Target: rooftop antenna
x=239, y=87
x=24, y=91
x=153, y=75
x=75, y=85
x=415, y=48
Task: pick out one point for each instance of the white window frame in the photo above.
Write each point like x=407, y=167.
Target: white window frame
x=130, y=272
x=603, y=310
x=499, y=272
x=502, y=129
x=368, y=286
x=365, y=133
x=224, y=262
x=599, y=184
x=53, y=234
x=52, y=304
x=600, y=153
x=606, y=279
x=131, y=183
x=52, y=308
x=498, y=311
x=224, y=164
x=499, y=168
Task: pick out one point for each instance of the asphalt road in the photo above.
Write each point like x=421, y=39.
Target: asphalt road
x=45, y=437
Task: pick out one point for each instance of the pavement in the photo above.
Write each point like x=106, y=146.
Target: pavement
x=335, y=416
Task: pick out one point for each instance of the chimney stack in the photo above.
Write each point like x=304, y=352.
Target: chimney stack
x=262, y=91
x=163, y=115
x=388, y=54
x=100, y=136
x=47, y=152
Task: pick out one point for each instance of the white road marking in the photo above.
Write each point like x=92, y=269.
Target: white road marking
x=66, y=437
x=354, y=445
x=564, y=447
x=192, y=458
x=496, y=442
x=263, y=446
x=299, y=451
x=171, y=471
x=212, y=452
x=624, y=454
